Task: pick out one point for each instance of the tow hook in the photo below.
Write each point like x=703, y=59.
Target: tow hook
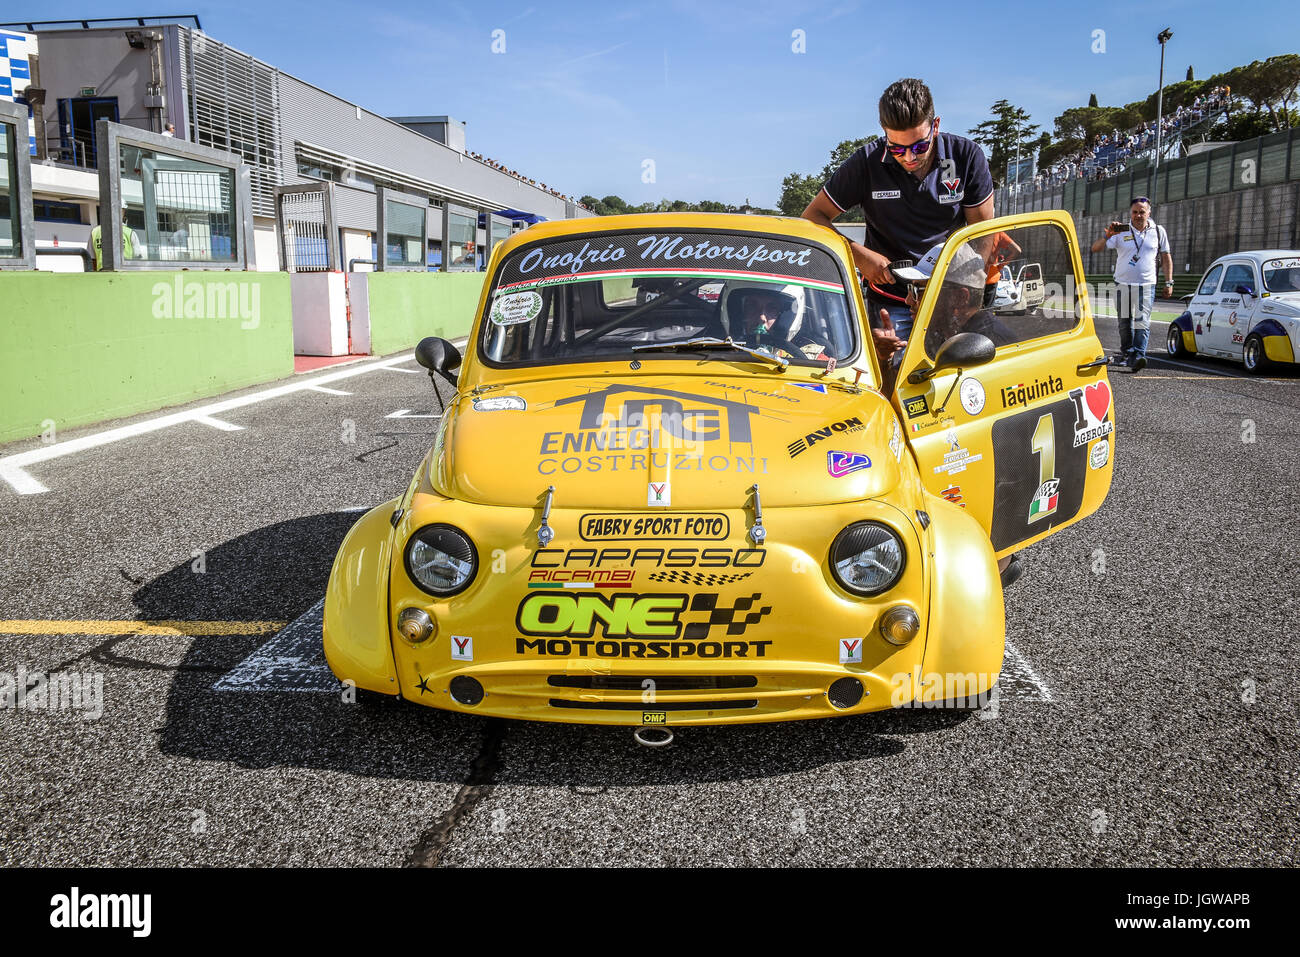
x=652, y=736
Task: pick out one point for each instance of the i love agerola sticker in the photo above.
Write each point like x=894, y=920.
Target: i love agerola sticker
x=516, y=307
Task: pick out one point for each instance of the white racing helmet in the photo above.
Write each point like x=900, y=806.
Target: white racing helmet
x=733, y=296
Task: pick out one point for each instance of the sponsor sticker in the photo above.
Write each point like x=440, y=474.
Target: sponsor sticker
x=842, y=463
x=1091, y=412
x=852, y=424
x=896, y=441
x=462, y=648
x=1022, y=394
x=654, y=717
x=850, y=651
x=956, y=459
x=615, y=526
x=972, y=396
x=812, y=386
x=886, y=194
x=659, y=493
x=916, y=405
x=953, y=494
x=515, y=308
x=1099, y=454
x=501, y=403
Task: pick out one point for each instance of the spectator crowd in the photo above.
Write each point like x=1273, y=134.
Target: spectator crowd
x=488, y=161
x=1110, y=153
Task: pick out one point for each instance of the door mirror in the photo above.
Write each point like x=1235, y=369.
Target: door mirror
x=1186, y=298
x=964, y=350
x=1245, y=290
x=440, y=356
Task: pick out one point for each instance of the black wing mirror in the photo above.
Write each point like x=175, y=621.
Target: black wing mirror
x=440, y=356
x=1245, y=290
x=962, y=351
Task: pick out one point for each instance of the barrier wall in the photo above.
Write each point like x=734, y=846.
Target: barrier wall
x=404, y=307
x=76, y=349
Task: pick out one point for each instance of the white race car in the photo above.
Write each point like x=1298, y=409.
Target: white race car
x=1247, y=309
x=1020, y=292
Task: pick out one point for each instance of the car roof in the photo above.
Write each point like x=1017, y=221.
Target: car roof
x=1258, y=256
x=794, y=226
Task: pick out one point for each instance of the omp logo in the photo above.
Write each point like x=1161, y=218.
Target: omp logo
x=915, y=406
x=74, y=909
x=853, y=424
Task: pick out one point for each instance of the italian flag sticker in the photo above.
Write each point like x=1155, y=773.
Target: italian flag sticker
x=1044, y=500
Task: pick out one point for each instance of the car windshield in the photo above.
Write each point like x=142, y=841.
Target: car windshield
x=1282, y=275
x=615, y=294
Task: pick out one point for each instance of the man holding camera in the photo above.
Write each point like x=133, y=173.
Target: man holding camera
x=1138, y=243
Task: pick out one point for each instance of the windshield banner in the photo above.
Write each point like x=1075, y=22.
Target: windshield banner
x=674, y=254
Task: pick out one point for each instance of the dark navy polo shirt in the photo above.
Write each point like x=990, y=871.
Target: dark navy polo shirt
x=907, y=216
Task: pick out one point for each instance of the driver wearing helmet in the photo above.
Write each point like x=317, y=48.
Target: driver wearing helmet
x=769, y=318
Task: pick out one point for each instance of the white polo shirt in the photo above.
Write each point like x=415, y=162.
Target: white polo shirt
x=1142, y=246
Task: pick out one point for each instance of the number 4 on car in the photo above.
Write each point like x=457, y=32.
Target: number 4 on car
x=671, y=489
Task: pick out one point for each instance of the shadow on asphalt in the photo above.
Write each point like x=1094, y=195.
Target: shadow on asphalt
x=279, y=572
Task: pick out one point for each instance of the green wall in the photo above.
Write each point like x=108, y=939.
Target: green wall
x=407, y=306
x=79, y=348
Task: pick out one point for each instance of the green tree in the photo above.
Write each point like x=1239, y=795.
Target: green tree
x=797, y=191
x=1092, y=99
x=1009, y=128
x=1190, y=76
x=1270, y=86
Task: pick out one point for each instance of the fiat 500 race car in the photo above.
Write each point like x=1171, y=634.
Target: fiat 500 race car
x=701, y=509
x=1247, y=309
x=1021, y=291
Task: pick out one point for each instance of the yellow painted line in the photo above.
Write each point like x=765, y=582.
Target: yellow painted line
x=110, y=627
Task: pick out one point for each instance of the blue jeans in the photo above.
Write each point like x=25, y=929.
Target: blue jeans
x=1133, y=307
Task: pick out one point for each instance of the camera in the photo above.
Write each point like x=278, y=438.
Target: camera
x=1117, y=226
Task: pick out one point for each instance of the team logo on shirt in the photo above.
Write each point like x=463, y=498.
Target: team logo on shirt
x=952, y=196
x=886, y=194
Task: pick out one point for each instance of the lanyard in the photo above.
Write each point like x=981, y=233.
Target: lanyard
x=1137, y=243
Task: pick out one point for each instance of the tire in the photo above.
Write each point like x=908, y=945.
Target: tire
x=1253, y=355
x=1174, y=343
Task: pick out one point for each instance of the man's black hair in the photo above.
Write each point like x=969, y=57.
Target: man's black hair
x=906, y=104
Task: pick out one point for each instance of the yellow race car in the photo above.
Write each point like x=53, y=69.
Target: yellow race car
x=669, y=490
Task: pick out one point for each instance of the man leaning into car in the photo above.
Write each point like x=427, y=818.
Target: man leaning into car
x=916, y=185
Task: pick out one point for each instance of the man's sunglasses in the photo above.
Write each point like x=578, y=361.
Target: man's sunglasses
x=917, y=148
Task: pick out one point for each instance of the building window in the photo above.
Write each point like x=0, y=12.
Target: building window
x=50, y=211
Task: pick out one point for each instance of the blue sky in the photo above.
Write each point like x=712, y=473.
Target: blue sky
x=712, y=90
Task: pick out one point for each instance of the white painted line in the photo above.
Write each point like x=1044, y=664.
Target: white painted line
x=293, y=660
x=218, y=423
x=408, y=414
x=407, y=371
x=14, y=465
x=327, y=391
x=21, y=481
x=1019, y=681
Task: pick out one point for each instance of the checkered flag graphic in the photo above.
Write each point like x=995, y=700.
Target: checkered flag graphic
x=736, y=619
x=699, y=579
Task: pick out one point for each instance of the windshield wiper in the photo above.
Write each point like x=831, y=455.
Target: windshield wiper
x=709, y=343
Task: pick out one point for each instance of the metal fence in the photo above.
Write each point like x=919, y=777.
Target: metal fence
x=17, y=235
x=1244, y=196
x=305, y=221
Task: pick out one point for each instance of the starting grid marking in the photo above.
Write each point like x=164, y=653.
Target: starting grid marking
x=294, y=660
x=186, y=629
x=13, y=468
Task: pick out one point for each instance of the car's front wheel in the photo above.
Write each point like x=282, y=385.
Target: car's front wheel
x=1174, y=343
x=1253, y=355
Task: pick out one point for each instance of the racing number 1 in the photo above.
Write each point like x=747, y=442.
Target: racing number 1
x=1046, y=498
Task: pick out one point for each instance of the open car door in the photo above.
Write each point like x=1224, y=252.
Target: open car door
x=1019, y=431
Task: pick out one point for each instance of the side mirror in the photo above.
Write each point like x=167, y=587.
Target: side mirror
x=440, y=356
x=962, y=351
x=1186, y=298
x=1245, y=290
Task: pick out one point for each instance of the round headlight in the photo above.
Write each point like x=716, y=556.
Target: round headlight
x=441, y=559
x=867, y=558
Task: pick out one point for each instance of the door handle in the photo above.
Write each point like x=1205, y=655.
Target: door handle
x=1099, y=361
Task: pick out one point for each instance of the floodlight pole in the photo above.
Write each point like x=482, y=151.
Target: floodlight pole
x=1163, y=37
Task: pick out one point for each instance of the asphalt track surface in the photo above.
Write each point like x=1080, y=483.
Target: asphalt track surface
x=1152, y=718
